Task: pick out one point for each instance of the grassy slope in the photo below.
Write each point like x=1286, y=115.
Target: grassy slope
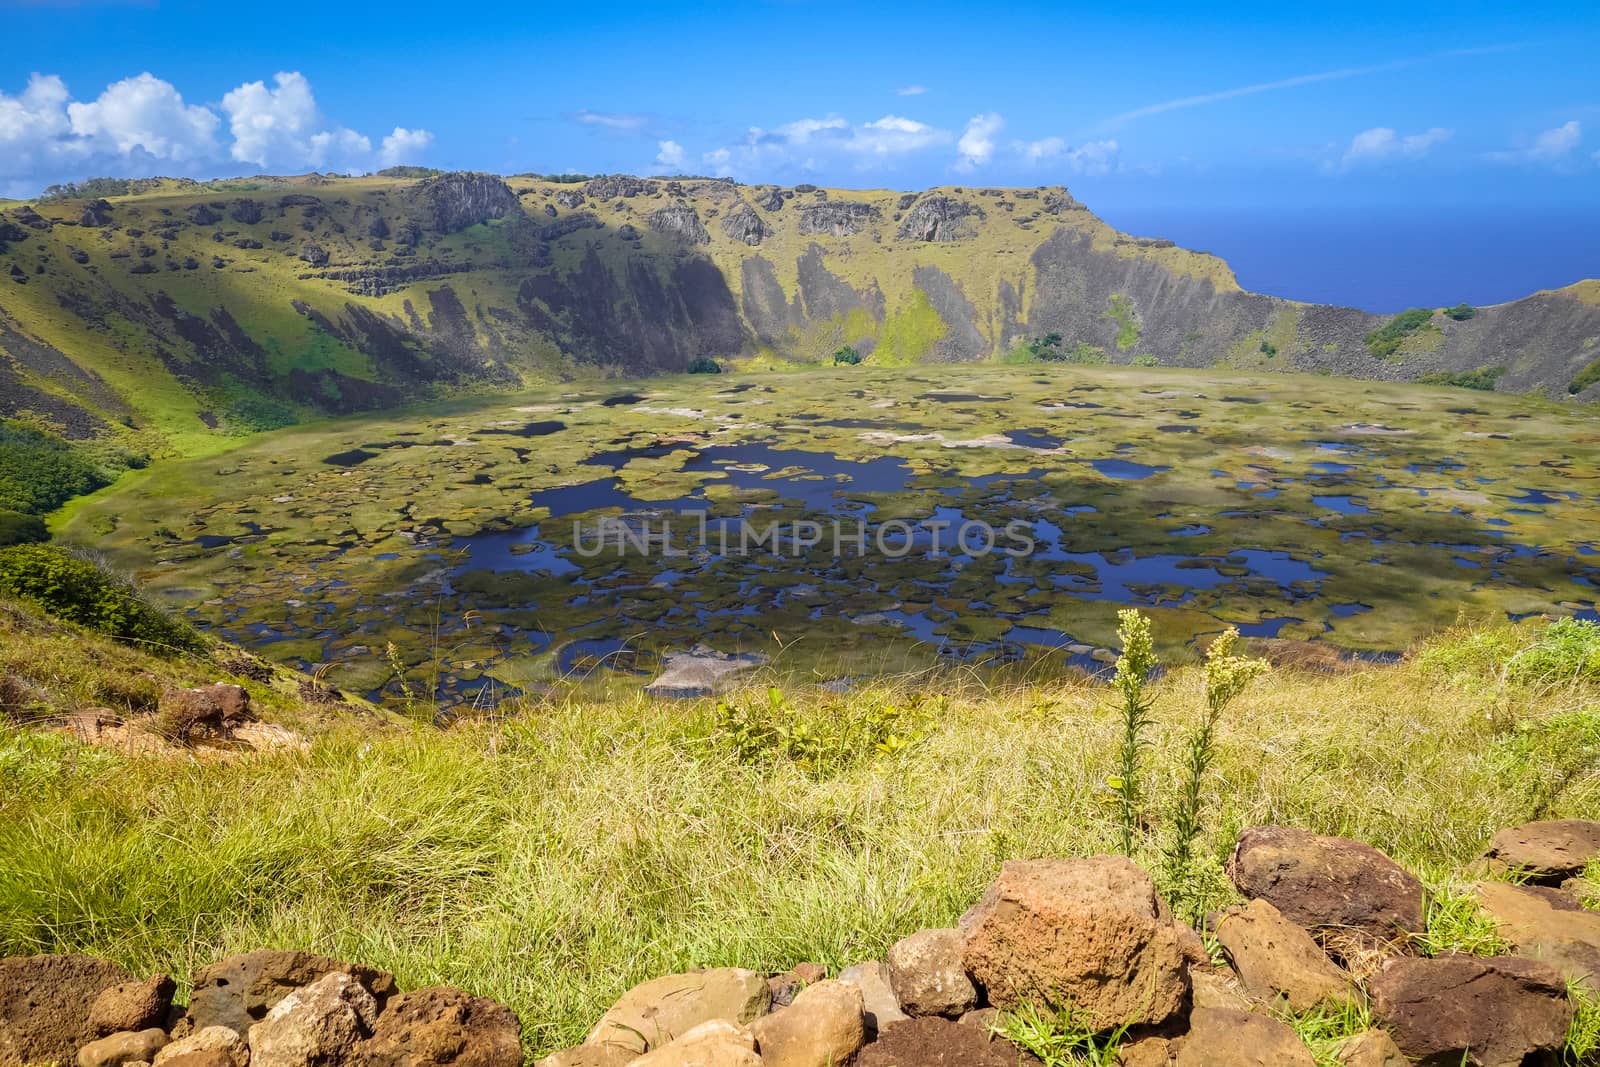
x=258, y=286
x=553, y=859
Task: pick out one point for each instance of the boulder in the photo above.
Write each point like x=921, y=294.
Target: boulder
x=205, y=1058
x=1277, y=962
x=1332, y=886
x=718, y=1043
x=212, y=1042
x=125, y=1048
x=1089, y=933
x=1457, y=1010
x=132, y=1006
x=927, y=975
x=587, y=1056
x=1547, y=852
x=1219, y=1037
x=240, y=990
x=1546, y=924
x=1371, y=1048
x=700, y=671
x=45, y=1003
x=824, y=1026
x=319, y=1025
x=444, y=1026
x=879, y=1004
x=934, y=1042
x=656, y=1012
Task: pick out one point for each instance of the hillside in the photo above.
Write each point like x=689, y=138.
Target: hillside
x=183, y=313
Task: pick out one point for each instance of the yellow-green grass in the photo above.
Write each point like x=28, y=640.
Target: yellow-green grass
x=554, y=858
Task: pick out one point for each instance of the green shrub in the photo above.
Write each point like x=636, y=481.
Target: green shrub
x=19, y=529
x=822, y=744
x=1586, y=377
x=1461, y=312
x=1120, y=310
x=39, y=471
x=1473, y=651
x=75, y=589
x=704, y=365
x=1386, y=340
x=1146, y=360
x=1483, y=378
x=1047, y=348
x=847, y=355
x=1567, y=651
x=1269, y=349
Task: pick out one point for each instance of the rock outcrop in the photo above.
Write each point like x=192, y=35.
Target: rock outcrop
x=939, y=218
x=452, y=202
x=836, y=218
x=743, y=224
x=680, y=222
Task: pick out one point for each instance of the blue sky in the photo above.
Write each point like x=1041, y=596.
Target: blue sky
x=1219, y=125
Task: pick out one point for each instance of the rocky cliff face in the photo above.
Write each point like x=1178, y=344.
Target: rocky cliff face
x=344, y=294
x=452, y=202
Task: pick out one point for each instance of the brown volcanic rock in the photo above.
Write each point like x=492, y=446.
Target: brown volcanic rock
x=1462, y=1009
x=444, y=1026
x=45, y=1002
x=1546, y=924
x=935, y=1042
x=1220, y=1037
x=132, y=1006
x=927, y=975
x=1546, y=852
x=1089, y=933
x=240, y=990
x=1332, y=886
x=1278, y=962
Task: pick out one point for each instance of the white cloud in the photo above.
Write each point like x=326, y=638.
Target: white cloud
x=976, y=146
x=1095, y=158
x=282, y=128
x=1034, y=151
x=142, y=126
x=807, y=144
x=801, y=131
x=1555, y=144
x=146, y=114
x=614, y=121
x=911, y=90
x=1382, y=143
x=892, y=135
x=404, y=146
x=670, y=155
